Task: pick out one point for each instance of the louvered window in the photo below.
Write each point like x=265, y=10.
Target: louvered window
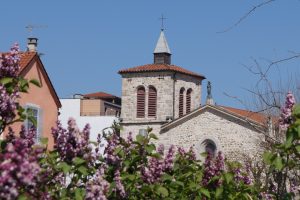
x=140, y=108
x=188, y=100
x=152, y=102
x=181, y=94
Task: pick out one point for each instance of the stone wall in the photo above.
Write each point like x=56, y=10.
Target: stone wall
x=231, y=136
x=163, y=83
x=187, y=82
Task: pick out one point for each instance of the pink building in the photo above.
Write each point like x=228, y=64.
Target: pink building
x=43, y=101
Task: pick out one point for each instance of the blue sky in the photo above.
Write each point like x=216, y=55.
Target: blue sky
x=85, y=43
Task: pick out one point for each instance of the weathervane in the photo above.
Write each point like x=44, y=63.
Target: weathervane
x=162, y=22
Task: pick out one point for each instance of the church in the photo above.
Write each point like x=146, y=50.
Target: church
x=167, y=98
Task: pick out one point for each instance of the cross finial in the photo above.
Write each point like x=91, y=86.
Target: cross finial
x=162, y=22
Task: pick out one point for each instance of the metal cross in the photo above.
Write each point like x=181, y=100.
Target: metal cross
x=162, y=22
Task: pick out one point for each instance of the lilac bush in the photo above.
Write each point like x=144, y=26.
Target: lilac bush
x=286, y=119
x=9, y=90
x=19, y=165
x=71, y=142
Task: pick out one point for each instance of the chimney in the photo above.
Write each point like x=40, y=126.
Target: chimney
x=32, y=44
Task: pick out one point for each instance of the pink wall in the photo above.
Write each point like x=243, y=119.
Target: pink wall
x=43, y=97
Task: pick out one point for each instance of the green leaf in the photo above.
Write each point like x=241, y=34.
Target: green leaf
x=219, y=192
x=162, y=191
x=35, y=82
x=289, y=139
x=83, y=170
x=278, y=163
x=6, y=80
x=167, y=177
x=298, y=148
x=22, y=197
x=267, y=156
x=150, y=148
x=44, y=140
x=205, y=192
x=78, y=161
x=296, y=110
x=79, y=193
x=119, y=151
x=130, y=177
x=65, y=167
x=152, y=135
x=228, y=177
x=140, y=139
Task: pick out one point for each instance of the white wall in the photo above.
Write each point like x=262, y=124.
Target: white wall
x=71, y=108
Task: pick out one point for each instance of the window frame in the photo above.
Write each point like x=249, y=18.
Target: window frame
x=38, y=120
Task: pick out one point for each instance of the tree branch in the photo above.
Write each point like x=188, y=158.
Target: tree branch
x=246, y=15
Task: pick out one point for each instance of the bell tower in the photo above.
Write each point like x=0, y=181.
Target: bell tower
x=162, y=53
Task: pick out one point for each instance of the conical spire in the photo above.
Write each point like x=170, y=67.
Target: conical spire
x=162, y=44
x=162, y=53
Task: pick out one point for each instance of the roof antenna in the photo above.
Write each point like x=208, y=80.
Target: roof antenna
x=31, y=40
x=162, y=18
x=30, y=28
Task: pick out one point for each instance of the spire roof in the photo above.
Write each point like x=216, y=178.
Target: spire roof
x=162, y=44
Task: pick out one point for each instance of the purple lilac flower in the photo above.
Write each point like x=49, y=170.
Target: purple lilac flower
x=181, y=151
x=169, y=158
x=154, y=170
x=213, y=167
x=9, y=68
x=19, y=167
x=71, y=143
x=110, y=155
x=161, y=149
x=286, y=112
x=9, y=63
x=97, y=188
x=192, y=154
x=119, y=186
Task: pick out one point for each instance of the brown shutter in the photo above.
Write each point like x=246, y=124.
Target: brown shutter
x=140, y=107
x=181, y=102
x=152, y=102
x=188, y=100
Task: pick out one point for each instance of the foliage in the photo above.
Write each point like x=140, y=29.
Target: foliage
x=284, y=159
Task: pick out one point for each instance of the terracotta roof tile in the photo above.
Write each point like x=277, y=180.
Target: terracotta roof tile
x=159, y=67
x=25, y=59
x=257, y=117
x=100, y=95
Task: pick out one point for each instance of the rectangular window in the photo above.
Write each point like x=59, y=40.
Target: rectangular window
x=33, y=120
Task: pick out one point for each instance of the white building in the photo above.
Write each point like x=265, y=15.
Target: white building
x=73, y=108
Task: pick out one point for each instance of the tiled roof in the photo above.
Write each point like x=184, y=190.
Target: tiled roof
x=100, y=95
x=160, y=67
x=257, y=117
x=25, y=59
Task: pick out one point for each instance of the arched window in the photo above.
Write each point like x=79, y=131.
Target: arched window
x=209, y=147
x=188, y=100
x=181, y=96
x=140, y=105
x=152, y=102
